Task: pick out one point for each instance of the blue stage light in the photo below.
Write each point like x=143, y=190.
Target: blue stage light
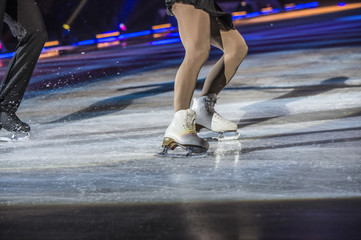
x=307, y=5
x=135, y=34
x=109, y=39
x=166, y=41
x=86, y=42
x=7, y=55
x=254, y=14
x=163, y=30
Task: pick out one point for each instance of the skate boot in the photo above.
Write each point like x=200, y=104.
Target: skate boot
x=208, y=118
x=10, y=122
x=181, y=132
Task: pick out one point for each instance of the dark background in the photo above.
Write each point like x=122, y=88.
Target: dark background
x=105, y=15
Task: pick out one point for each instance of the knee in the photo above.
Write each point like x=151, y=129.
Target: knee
x=239, y=51
x=197, y=55
x=37, y=37
x=243, y=49
x=40, y=36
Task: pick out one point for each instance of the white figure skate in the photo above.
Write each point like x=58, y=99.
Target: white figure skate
x=208, y=118
x=181, y=132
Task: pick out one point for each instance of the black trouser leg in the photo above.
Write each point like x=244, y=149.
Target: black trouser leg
x=26, y=23
x=2, y=11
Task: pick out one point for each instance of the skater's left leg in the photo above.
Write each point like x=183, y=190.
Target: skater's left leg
x=235, y=50
x=194, y=31
x=26, y=23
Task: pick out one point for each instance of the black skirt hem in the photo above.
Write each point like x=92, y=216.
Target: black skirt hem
x=224, y=19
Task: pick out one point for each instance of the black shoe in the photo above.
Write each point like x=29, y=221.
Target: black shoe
x=12, y=123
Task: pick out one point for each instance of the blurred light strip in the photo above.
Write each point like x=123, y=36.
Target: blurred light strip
x=108, y=34
x=166, y=41
x=290, y=6
x=135, y=34
x=161, y=26
x=266, y=10
x=109, y=39
x=108, y=44
x=114, y=38
x=238, y=15
x=48, y=54
x=175, y=34
x=164, y=30
x=350, y=18
x=52, y=43
x=159, y=35
x=254, y=14
x=244, y=14
x=7, y=55
x=86, y=42
x=306, y=5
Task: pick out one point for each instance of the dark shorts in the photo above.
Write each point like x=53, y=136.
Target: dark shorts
x=209, y=6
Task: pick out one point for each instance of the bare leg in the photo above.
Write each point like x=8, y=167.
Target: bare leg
x=194, y=31
x=235, y=50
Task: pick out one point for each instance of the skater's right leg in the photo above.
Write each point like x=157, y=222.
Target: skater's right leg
x=194, y=31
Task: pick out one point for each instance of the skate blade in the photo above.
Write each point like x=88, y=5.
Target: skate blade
x=192, y=152
x=16, y=137
x=223, y=137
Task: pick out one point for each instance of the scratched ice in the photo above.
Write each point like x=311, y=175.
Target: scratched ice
x=300, y=128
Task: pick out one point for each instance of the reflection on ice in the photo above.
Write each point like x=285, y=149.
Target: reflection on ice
x=14, y=137
x=228, y=148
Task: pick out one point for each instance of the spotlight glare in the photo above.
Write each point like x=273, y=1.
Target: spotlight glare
x=122, y=27
x=66, y=27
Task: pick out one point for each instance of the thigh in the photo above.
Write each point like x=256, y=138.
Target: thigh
x=11, y=9
x=193, y=25
x=216, y=38
x=29, y=15
x=225, y=40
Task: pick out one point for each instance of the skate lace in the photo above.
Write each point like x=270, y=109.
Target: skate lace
x=210, y=102
x=190, y=126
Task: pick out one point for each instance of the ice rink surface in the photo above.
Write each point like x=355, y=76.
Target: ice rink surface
x=299, y=115
x=98, y=118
